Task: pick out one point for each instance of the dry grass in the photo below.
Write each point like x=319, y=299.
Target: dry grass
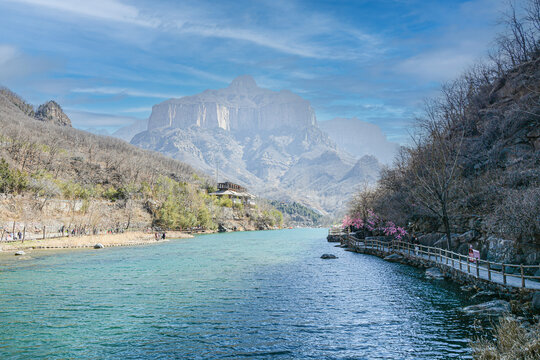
x=512, y=342
x=128, y=238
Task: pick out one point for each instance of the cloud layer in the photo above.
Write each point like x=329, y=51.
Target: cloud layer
x=373, y=60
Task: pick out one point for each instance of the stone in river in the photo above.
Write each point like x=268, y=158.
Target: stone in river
x=394, y=258
x=494, y=307
x=98, y=246
x=20, y=252
x=483, y=294
x=434, y=273
x=328, y=256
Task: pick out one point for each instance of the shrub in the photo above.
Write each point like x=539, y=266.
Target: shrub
x=12, y=181
x=512, y=342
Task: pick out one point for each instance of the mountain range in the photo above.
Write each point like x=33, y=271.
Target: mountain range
x=269, y=141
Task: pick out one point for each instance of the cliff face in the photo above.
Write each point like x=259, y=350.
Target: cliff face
x=242, y=106
x=53, y=113
x=266, y=140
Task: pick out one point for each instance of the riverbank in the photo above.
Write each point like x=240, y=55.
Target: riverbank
x=107, y=240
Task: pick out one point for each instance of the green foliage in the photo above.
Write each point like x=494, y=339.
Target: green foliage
x=225, y=201
x=238, y=206
x=72, y=190
x=180, y=206
x=12, y=181
x=271, y=217
x=294, y=208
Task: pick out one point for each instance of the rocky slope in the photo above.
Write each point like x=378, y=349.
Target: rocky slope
x=53, y=113
x=49, y=112
x=269, y=141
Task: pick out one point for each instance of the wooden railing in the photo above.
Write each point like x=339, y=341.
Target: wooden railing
x=449, y=258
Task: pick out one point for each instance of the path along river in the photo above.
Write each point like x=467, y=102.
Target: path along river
x=258, y=295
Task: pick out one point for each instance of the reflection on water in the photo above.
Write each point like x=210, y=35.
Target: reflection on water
x=262, y=295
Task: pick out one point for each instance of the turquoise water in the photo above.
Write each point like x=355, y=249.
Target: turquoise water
x=258, y=295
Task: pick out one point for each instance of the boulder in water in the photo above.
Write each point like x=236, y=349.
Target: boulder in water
x=19, y=253
x=394, y=258
x=483, y=294
x=99, y=246
x=494, y=308
x=434, y=273
x=328, y=256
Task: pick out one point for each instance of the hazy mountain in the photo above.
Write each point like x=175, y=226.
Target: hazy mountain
x=360, y=138
x=128, y=132
x=267, y=140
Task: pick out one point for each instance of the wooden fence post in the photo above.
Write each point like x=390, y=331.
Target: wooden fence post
x=489, y=270
x=43, y=232
x=522, y=277
x=478, y=268
x=504, y=275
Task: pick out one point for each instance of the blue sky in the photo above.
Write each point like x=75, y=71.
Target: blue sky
x=108, y=62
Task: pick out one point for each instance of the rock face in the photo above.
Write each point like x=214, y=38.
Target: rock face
x=265, y=140
x=242, y=106
x=494, y=307
x=53, y=113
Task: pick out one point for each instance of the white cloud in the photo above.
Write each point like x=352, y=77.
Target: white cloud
x=137, y=109
x=124, y=91
x=86, y=119
x=7, y=53
x=111, y=10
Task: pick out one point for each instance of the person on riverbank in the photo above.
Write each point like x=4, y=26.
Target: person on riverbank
x=163, y=236
x=416, y=243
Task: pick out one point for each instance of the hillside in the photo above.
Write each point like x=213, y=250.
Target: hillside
x=54, y=176
x=472, y=175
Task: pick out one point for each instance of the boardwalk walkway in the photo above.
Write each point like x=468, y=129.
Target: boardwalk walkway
x=511, y=275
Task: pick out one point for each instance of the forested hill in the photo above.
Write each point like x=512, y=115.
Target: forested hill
x=472, y=173
x=297, y=213
x=102, y=181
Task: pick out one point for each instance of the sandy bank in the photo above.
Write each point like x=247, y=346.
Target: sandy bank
x=108, y=240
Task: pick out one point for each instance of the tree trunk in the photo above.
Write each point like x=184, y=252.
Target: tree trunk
x=446, y=223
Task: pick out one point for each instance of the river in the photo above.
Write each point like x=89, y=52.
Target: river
x=257, y=295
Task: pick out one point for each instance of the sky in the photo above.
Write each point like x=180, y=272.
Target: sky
x=108, y=62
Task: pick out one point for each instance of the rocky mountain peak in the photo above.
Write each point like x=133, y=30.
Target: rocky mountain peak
x=243, y=83
x=53, y=113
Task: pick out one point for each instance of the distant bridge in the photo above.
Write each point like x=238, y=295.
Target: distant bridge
x=510, y=275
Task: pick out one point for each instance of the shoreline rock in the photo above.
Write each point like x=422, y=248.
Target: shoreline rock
x=492, y=308
x=434, y=273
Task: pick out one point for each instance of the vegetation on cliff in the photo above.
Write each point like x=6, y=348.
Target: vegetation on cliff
x=473, y=163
